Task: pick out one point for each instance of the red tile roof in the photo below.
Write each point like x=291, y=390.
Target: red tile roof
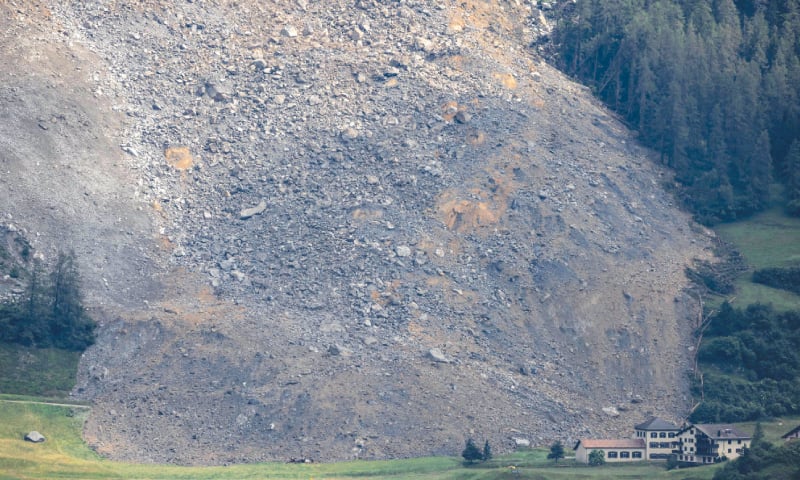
x=612, y=443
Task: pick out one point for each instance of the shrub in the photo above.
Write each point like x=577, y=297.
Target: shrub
x=597, y=458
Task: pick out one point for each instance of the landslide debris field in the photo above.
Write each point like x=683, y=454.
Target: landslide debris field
x=341, y=229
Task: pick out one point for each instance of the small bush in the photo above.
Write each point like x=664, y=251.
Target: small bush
x=597, y=458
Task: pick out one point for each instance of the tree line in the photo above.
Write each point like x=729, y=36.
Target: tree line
x=50, y=313
x=713, y=86
x=751, y=365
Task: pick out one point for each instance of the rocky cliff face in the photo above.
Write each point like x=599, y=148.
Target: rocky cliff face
x=341, y=229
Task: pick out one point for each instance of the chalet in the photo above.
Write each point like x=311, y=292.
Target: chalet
x=624, y=450
x=793, y=434
x=660, y=436
x=710, y=443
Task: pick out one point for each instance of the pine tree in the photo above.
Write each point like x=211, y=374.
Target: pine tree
x=471, y=452
x=70, y=327
x=556, y=451
x=487, y=451
x=32, y=323
x=51, y=313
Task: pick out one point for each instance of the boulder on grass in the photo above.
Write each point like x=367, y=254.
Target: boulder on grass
x=35, y=437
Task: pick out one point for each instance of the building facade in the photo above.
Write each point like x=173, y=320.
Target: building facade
x=793, y=434
x=710, y=443
x=660, y=436
x=622, y=450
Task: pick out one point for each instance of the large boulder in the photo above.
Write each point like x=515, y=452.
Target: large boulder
x=34, y=437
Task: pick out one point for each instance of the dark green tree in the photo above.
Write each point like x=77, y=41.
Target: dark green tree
x=487, y=451
x=758, y=435
x=70, y=326
x=471, y=452
x=597, y=458
x=792, y=176
x=32, y=325
x=51, y=313
x=556, y=451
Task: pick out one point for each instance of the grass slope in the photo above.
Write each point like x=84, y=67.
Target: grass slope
x=48, y=372
x=770, y=239
x=65, y=456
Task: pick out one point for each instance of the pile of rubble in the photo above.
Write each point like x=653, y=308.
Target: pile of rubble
x=388, y=226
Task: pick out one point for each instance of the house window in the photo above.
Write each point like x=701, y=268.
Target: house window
x=729, y=450
x=663, y=445
x=612, y=454
x=663, y=435
x=637, y=454
x=624, y=454
x=739, y=442
x=671, y=435
x=739, y=450
x=653, y=435
x=653, y=444
x=730, y=441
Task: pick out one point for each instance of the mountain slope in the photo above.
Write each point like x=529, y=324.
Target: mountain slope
x=377, y=229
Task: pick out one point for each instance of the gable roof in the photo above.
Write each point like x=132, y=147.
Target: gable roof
x=610, y=443
x=791, y=432
x=719, y=431
x=655, y=423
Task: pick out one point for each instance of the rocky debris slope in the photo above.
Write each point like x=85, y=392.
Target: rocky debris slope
x=64, y=184
x=380, y=227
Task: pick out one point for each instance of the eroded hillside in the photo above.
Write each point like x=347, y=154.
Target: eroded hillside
x=342, y=229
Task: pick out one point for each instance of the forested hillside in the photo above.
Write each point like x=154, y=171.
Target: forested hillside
x=714, y=86
x=750, y=365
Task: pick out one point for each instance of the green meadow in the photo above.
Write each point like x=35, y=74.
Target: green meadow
x=769, y=239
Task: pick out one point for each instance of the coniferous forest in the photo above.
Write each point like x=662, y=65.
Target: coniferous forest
x=712, y=85
x=51, y=312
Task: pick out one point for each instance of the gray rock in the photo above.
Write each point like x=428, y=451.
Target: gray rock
x=349, y=133
x=98, y=372
x=34, y=437
x=289, y=31
x=250, y=212
x=403, y=251
x=612, y=411
x=218, y=91
x=436, y=355
x=521, y=442
x=338, y=350
x=463, y=117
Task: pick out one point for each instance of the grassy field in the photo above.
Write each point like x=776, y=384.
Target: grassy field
x=65, y=456
x=769, y=239
x=48, y=372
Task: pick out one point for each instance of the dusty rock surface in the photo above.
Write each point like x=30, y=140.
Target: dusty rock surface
x=341, y=229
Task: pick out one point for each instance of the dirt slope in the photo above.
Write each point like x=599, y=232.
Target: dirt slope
x=342, y=229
